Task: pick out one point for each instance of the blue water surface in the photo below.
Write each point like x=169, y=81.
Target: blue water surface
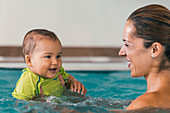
x=105, y=90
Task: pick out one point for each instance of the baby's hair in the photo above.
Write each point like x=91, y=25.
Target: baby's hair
x=30, y=39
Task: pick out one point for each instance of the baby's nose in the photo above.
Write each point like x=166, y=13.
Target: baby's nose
x=54, y=61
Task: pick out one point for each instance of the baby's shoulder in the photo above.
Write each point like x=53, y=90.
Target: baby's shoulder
x=27, y=76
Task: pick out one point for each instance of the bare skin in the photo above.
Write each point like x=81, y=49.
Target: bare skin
x=157, y=96
x=73, y=85
x=45, y=61
x=141, y=63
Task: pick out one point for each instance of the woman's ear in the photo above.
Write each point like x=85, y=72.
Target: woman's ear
x=28, y=60
x=156, y=49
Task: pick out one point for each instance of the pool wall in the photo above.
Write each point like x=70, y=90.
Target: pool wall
x=74, y=58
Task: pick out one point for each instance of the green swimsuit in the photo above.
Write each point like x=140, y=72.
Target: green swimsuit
x=29, y=83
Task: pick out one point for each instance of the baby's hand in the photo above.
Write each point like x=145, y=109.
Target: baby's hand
x=76, y=86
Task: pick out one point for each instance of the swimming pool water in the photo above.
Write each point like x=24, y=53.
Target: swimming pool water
x=105, y=90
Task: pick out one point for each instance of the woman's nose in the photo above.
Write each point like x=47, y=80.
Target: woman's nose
x=122, y=51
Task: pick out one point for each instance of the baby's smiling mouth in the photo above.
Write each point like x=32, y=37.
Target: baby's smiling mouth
x=53, y=70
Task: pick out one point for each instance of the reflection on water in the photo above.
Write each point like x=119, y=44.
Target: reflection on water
x=74, y=103
x=106, y=91
x=71, y=102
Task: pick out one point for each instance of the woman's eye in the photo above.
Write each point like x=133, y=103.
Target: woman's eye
x=58, y=56
x=126, y=45
x=47, y=56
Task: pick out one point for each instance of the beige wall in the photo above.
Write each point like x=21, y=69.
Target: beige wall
x=85, y=23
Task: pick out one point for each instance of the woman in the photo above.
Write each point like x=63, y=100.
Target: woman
x=147, y=49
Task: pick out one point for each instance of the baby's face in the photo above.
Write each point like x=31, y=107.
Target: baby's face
x=46, y=58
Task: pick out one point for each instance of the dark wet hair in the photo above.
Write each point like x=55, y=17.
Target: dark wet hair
x=30, y=39
x=152, y=23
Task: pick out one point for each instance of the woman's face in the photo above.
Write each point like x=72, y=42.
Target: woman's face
x=138, y=57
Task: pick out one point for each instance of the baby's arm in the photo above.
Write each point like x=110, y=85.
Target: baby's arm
x=38, y=97
x=23, y=91
x=26, y=87
x=75, y=85
x=72, y=83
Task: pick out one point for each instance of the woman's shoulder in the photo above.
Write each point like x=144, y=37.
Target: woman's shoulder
x=145, y=100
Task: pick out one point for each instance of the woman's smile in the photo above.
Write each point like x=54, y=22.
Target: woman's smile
x=129, y=64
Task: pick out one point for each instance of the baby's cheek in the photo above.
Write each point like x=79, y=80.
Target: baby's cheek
x=60, y=64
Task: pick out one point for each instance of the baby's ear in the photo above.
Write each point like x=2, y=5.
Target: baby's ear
x=28, y=60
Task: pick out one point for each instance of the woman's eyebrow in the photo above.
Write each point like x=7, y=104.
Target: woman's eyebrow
x=125, y=40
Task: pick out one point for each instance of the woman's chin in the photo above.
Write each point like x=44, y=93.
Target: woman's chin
x=136, y=75
x=133, y=74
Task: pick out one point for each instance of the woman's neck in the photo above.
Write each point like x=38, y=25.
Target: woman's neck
x=156, y=80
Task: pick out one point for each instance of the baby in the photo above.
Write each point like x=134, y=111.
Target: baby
x=44, y=75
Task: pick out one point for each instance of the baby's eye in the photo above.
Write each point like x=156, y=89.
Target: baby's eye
x=47, y=56
x=58, y=56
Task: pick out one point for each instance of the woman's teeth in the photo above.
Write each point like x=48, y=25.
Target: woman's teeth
x=129, y=63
